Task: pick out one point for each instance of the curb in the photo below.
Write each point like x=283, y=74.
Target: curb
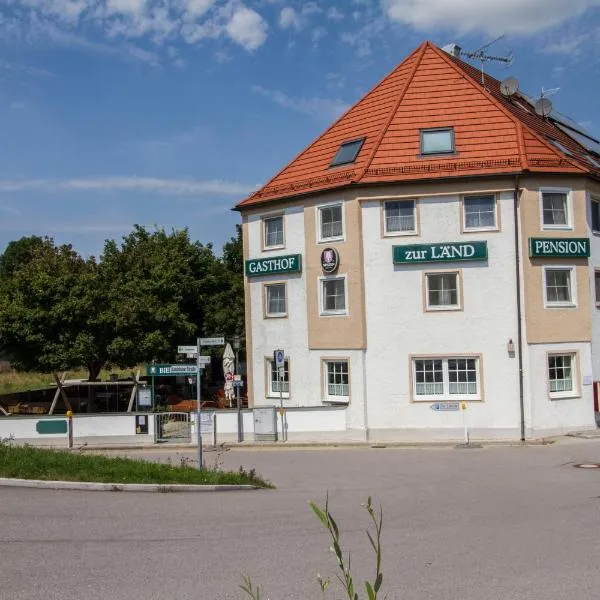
x=89, y=486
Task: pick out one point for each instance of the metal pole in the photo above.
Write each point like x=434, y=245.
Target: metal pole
x=283, y=432
x=70, y=425
x=239, y=406
x=199, y=409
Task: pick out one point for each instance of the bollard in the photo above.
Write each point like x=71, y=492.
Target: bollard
x=70, y=427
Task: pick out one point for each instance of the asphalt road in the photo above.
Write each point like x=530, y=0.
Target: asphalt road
x=496, y=523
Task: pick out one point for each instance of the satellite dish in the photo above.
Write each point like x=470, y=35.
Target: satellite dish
x=509, y=87
x=543, y=107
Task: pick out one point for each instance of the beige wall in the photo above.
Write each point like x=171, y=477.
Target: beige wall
x=553, y=325
x=336, y=332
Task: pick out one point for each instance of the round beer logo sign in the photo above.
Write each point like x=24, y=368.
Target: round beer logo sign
x=330, y=260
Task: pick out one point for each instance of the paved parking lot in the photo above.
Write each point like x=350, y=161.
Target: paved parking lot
x=497, y=523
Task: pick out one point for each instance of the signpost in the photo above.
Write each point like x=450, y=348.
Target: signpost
x=279, y=358
x=170, y=370
x=212, y=341
x=445, y=406
x=186, y=349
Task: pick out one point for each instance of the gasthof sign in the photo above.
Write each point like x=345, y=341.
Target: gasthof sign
x=559, y=247
x=445, y=252
x=274, y=266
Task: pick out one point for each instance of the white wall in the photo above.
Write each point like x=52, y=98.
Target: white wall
x=398, y=326
x=594, y=263
x=549, y=417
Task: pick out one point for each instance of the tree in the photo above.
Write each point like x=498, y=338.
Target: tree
x=20, y=252
x=224, y=298
x=137, y=303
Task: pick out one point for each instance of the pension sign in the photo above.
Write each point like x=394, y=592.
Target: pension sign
x=274, y=265
x=446, y=252
x=559, y=247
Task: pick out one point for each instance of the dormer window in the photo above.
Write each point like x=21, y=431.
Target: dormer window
x=437, y=141
x=347, y=153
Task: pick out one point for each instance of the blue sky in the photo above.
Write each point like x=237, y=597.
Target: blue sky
x=166, y=112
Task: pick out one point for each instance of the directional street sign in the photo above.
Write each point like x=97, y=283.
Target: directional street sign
x=187, y=350
x=212, y=341
x=237, y=384
x=204, y=360
x=445, y=406
x=170, y=370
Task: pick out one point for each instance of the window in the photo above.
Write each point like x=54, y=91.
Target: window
x=333, y=295
x=331, y=224
x=442, y=291
x=595, y=207
x=454, y=378
x=347, y=153
x=400, y=216
x=479, y=212
x=337, y=380
x=560, y=375
x=558, y=286
x=276, y=305
x=279, y=383
x=437, y=141
x=597, y=285
x=273, y=232
x=555, y=210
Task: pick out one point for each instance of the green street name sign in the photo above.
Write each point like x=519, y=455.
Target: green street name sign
x=274, y=265
x=170, y=370
x=559, y=247
x=449, y=252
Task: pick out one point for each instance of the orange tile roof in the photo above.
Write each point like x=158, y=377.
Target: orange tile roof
x=494, y=135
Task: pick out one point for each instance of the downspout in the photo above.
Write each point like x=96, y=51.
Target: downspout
x=519, y=305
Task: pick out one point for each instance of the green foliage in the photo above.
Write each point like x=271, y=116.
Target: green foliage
x=346, y=579
x=136, y=303
x=25, y=462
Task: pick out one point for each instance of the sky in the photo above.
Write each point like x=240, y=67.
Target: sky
x=167, y=112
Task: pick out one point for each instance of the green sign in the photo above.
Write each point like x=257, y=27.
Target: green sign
x=170, y=370
x=274, y=265
x=448, y=252
x=51, y=426
x=559, y=247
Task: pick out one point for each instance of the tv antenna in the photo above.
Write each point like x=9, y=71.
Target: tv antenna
x=482, y=56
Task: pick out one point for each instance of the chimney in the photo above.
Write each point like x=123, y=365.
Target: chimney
x=452, y=50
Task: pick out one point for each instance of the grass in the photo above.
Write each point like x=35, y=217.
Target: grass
x=12, y=382
x=25, y=462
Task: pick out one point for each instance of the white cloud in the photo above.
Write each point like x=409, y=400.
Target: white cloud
x=323, y=108
x=335, y=14
x=289, y=19
x=151, y=23
x=247, y=28
x=180, y=187
x=490, y=16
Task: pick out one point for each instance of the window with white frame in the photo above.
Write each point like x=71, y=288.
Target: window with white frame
x=555, y=210
x=442, y=291
x=455, y=378
x=595, y=209
x=559, y=288
x=400, y=216
x=275, y=300
x=331, y=222
x=279, y=379
x=337, y=380
x=273, y=232
x=437, y=141
x=479, y=212
x=561, y=369
x=333, y=296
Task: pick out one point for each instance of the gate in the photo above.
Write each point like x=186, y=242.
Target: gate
x=173, y=427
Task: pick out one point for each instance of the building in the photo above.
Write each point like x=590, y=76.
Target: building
x=437, y=244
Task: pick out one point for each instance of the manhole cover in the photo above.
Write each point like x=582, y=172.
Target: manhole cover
x=587, y=466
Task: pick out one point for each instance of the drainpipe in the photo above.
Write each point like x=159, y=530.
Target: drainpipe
x=519, y=305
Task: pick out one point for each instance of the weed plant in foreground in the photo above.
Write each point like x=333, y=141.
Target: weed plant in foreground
x=345, y=578
x=26, y=462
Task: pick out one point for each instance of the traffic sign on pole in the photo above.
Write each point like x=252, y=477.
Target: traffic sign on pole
x=204, y=360
x=279, y=359
x=170, y=370
x=212, y=341
x=186, y=349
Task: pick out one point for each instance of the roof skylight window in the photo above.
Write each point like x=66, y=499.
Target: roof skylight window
x=347, y=153
x=561, y=147
x=437, y=141
x=595, y=161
